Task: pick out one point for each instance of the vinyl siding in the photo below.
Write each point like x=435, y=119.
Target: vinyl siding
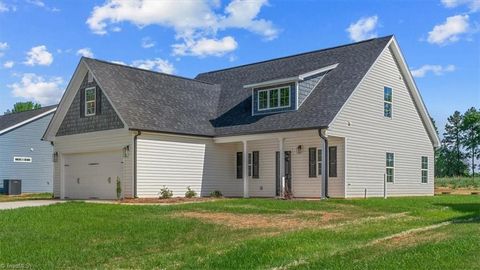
x=303, y=186
x=100, y=141
x=36, y=176
x=179, y=161
x=370, y=135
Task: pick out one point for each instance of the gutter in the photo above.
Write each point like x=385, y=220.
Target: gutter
x=324, y=194
x=135, y=163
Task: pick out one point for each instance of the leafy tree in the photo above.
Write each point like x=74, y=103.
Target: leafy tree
x=452, y=141
x=470, y=128
x=23, y=106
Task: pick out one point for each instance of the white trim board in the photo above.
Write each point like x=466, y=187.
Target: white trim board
x=27, y=121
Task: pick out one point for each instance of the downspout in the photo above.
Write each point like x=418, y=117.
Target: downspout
x=135, y=163
x=325, y=163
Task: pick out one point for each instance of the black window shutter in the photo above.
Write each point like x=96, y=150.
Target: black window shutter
x=82, y=102
x=256, y=163
x=312, y=162
x=239, y=165
x=99, y=101
x=332, y=161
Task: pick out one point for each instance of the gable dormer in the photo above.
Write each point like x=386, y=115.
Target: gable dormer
x=287, y=94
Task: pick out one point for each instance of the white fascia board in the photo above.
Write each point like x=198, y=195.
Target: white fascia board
x=317, y=71
x=272, y=82
x=27, y=121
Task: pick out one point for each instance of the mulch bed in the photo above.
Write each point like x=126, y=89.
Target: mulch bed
x=169, y=201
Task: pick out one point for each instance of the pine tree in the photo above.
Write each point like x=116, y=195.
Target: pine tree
x=471, y=135
x=452, y=140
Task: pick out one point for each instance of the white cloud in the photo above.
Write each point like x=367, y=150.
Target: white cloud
x=38, y=3
x=8, y=64
x=473, y=5
x=3, y=7
x=435, y=69
x=147, y=42
x=205, y=47
x=156, y=64
x=363, y=28
x=3, y=47
x=119, y=62
x=192, y=21
x=449, y=31
x=37, y=88
x=39, y=56
x=86, y=52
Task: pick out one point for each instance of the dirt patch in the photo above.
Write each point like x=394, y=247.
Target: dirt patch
x=166, y=201
x=246, y=221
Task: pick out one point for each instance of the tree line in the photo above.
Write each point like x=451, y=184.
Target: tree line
x=459, y=151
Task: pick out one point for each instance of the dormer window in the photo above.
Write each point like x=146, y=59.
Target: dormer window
x=274, y=98
x=90, y=101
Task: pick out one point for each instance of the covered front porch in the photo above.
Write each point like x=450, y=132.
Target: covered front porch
x=302, y=164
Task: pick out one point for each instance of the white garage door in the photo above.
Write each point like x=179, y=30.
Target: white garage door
x=92, y=175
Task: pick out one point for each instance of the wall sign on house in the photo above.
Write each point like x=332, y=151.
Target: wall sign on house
x=22, y=159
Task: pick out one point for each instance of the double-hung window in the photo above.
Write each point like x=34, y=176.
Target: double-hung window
x=387, y=102
x=274, y=98
x=424, y=170
x=390, y=167
x=90, y=101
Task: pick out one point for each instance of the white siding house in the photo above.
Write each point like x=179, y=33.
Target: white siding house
x=343, y=122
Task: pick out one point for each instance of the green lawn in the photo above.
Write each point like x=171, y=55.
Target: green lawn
x=23, y=197
x=247, y=234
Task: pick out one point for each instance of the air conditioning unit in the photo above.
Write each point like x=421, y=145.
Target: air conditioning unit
x=12, y=186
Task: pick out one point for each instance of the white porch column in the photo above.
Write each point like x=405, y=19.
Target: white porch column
x=281, y=142
x=245, y=169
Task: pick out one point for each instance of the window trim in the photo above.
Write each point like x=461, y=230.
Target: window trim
x=94, y=101
x=390, y=167
x=422, y=170
x=268, y=90
x=388, y=102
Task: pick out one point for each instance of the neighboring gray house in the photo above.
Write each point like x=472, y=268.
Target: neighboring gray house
x=23, y=154
x=335, y=122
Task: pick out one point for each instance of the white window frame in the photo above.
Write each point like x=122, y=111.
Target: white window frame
x=22, y=159
x=269, y=106
x=94, y=101
x=319, y=161
x=423, y=170
x=390, y=167
x=388, y=102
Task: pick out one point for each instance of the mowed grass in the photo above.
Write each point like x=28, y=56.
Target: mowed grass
x=247, y=234
x=27, y=196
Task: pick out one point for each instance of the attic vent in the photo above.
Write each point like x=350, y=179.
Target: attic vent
x=90, y=77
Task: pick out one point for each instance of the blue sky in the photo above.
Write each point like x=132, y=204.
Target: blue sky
x=42, y=41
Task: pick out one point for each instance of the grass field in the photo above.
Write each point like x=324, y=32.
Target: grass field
x=439, y=232
x=457, y=185
x=23, y=197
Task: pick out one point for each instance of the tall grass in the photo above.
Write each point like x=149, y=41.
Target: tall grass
x=458, y=182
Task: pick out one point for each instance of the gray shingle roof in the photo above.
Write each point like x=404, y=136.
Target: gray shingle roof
x=216, y=104
x=318, y=110
x=9, y=120
x=155, y=101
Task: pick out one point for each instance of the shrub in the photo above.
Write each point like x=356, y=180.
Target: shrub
x=216, y=194
x=190, y=193
x=165, y=193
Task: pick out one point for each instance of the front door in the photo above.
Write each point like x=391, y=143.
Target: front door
x=288, y=172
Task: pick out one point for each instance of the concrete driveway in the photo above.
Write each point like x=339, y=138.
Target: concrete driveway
x=32, y=203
